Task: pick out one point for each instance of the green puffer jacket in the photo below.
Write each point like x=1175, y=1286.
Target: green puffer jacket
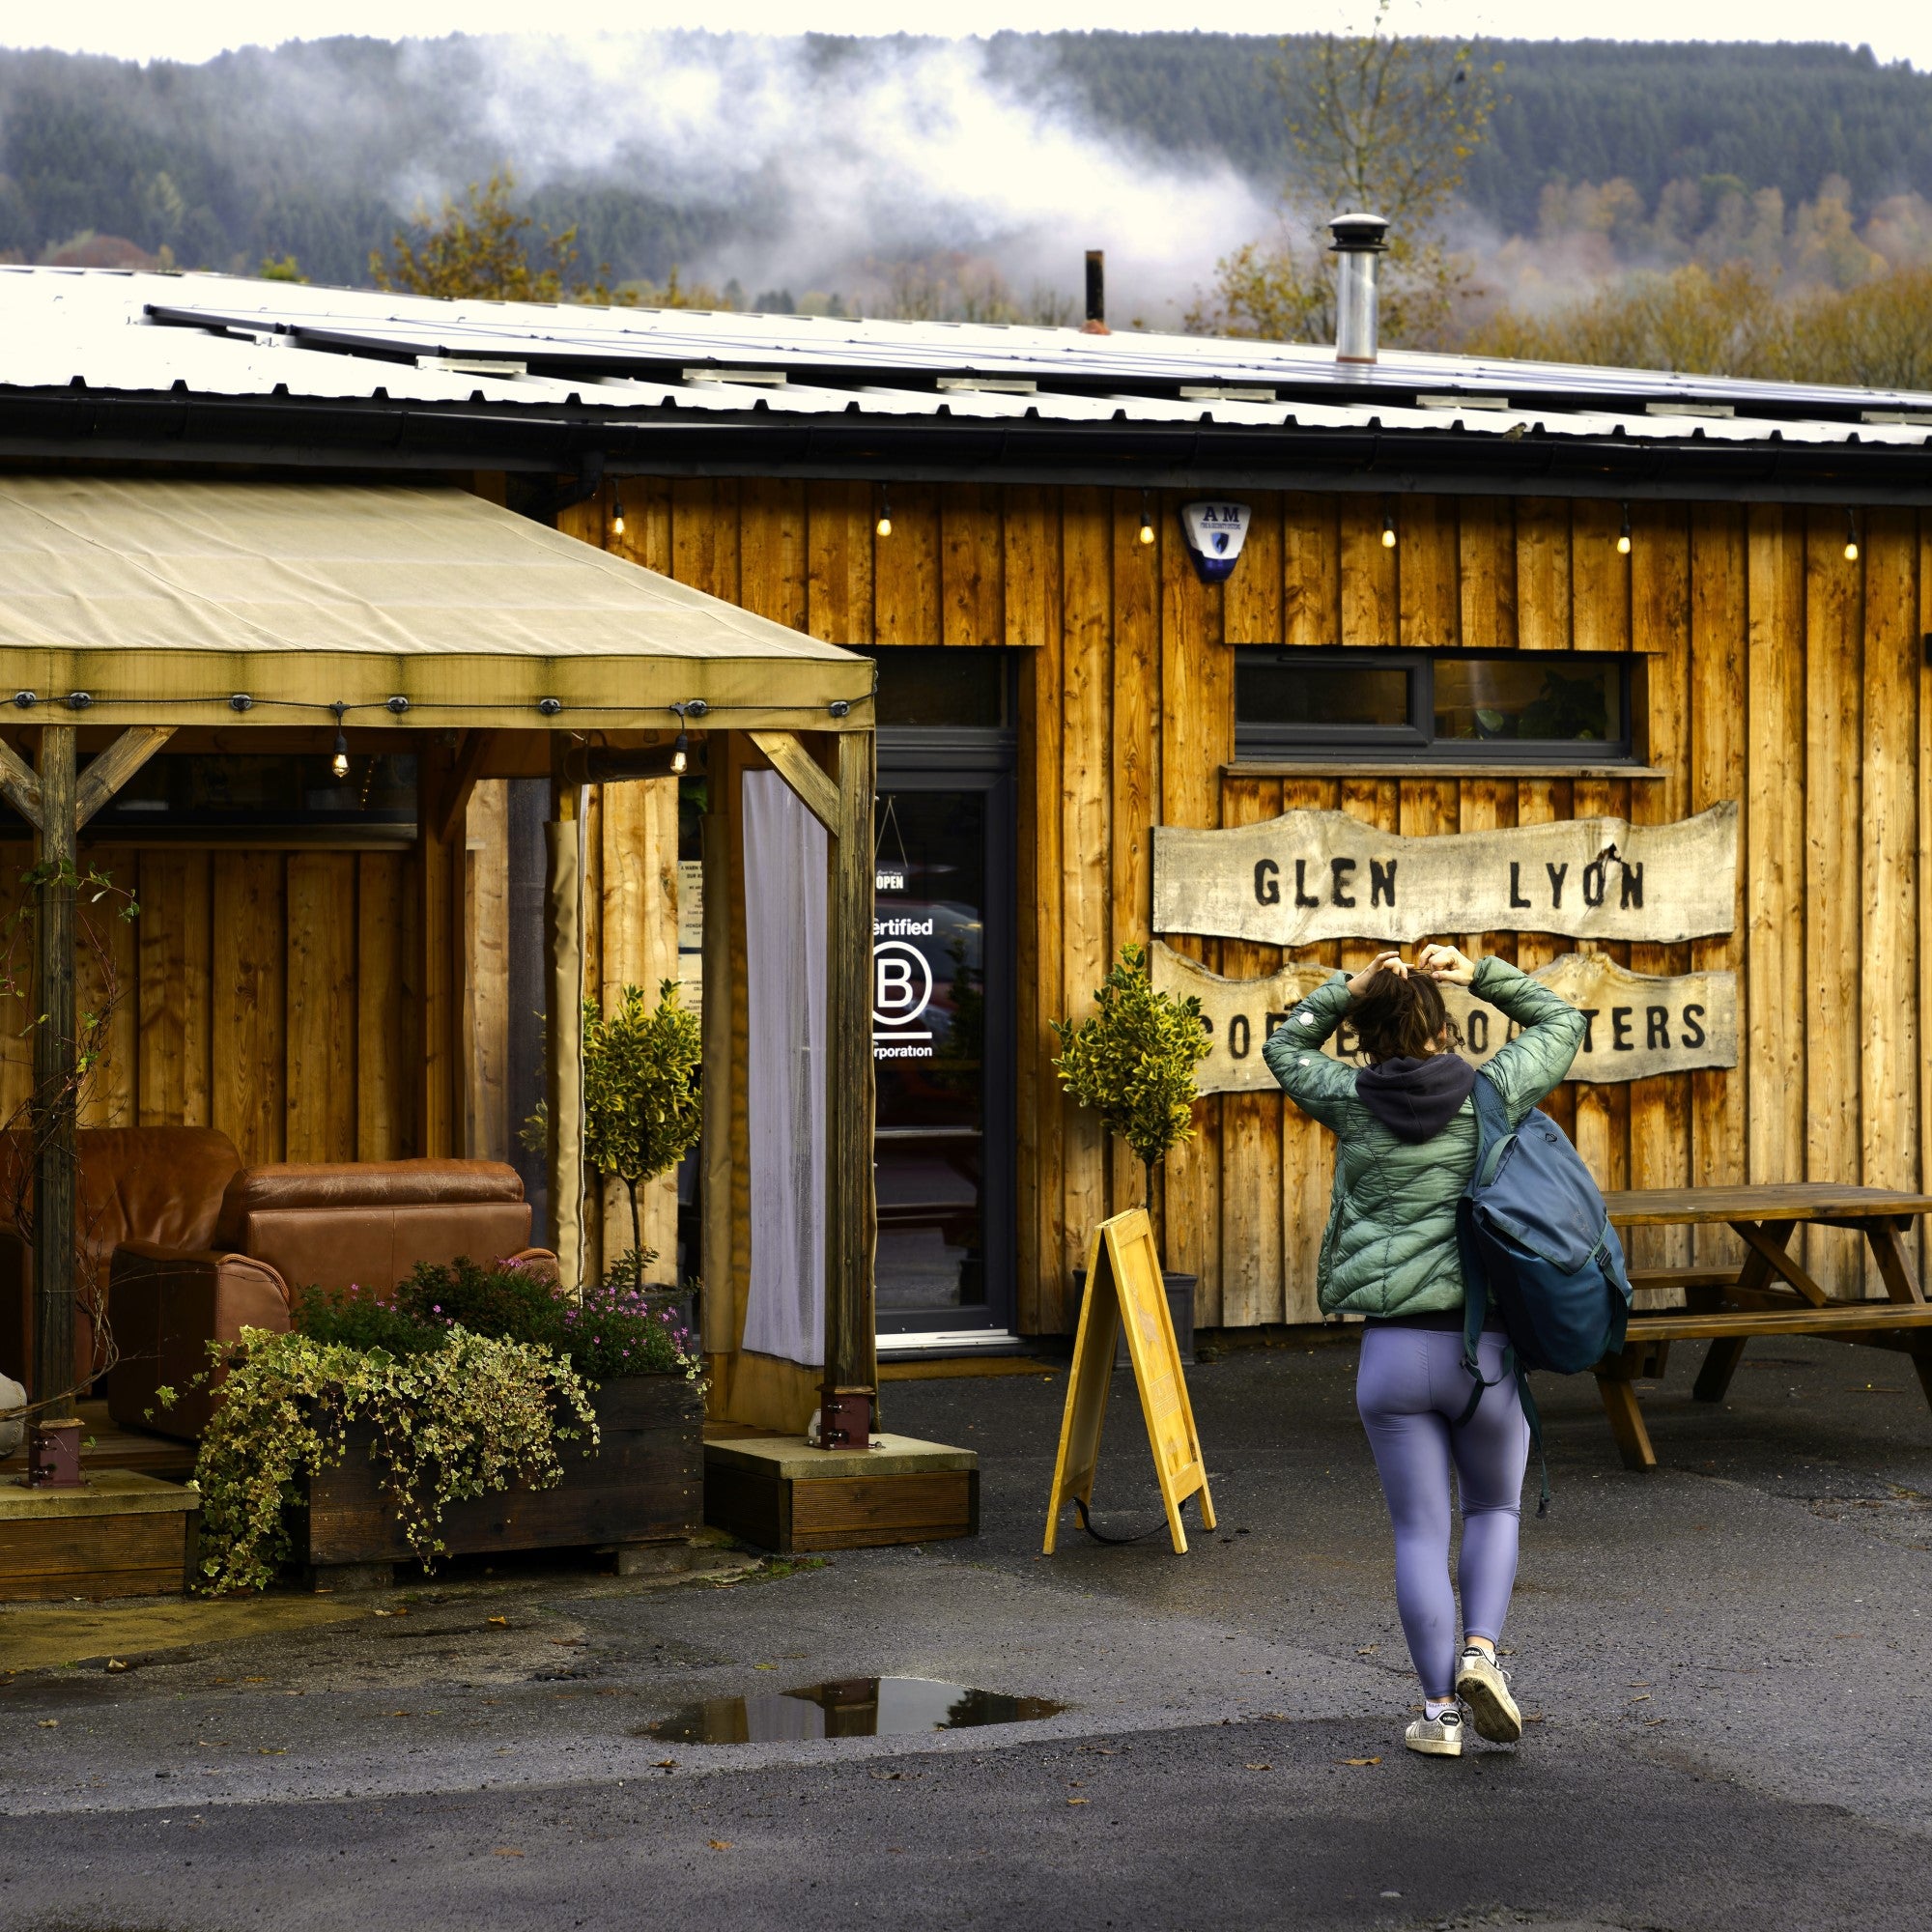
x=1390, y=1248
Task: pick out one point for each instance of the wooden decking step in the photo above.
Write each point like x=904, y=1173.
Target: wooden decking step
x=120, y=1534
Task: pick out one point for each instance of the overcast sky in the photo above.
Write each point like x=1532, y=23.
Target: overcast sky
x=193, y=30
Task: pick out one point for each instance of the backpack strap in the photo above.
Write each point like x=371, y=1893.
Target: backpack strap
x=1491, y=1130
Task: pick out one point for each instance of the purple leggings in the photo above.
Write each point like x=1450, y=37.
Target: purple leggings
x=1409, y=1389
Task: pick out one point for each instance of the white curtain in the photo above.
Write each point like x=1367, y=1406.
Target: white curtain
x=785, y=945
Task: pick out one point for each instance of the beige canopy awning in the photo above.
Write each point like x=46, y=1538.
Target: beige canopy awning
x=162, y=600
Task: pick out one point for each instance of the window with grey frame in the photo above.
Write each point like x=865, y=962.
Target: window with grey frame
x=1532, y=707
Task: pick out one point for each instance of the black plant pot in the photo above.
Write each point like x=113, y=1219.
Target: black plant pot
x=1179, y=1311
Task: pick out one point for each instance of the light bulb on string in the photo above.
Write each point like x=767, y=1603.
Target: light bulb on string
x=884, y=525
x=1146, y=520
x=339, y=763
x=1624, y=534
x=1388, y=529
x=616, y=510
x=1851, y=538
x=680, y=750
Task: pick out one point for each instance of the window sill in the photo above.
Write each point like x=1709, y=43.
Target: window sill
x=1332, y=765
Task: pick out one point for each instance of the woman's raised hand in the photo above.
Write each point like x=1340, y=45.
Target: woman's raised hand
x=1389, y=962
x=1445, y=962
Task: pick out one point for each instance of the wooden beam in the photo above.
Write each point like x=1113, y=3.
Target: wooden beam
x=19, y=784
x=461, y=782
x=115, y=766
x=54, y=1056
x=851, y=1216
x=803, y=773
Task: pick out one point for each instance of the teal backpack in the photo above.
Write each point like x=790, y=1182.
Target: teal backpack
x=1537, y=1247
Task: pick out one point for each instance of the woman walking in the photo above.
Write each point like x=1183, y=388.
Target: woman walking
x=1405, y=1143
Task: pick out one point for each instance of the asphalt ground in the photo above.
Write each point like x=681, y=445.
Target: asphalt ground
x=1725, y=1666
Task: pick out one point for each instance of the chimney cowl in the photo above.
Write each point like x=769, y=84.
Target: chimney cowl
x=1353, y=233
x=1360, y=240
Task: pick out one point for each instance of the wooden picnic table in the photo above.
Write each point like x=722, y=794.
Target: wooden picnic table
x=1770, y=1295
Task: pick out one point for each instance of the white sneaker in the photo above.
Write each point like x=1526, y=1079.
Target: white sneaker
x=1436, y=1737
x=1483, y=1685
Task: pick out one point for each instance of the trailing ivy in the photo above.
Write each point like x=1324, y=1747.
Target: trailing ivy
x=451, y=1422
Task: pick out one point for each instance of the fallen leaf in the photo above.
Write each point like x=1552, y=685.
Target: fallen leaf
x=1076, y=1801
x=501, y=1623
x=508, y=1852
x=49, y=1723
x=254, y=1680
x=1645, y=1700
x=665, y=1763
x=390, y=1613
x=117, y=1663
x=1368, y=1650
x=720, y=1844
x=1358, y=1760
x=272, y=1750
x=1258, y=1767
x=764, y=1666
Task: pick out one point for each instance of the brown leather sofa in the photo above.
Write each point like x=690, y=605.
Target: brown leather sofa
x=196, y=1249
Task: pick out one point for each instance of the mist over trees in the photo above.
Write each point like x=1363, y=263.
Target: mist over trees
x=1651, y=200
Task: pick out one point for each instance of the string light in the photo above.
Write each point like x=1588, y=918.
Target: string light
x=1624, y=534
x=1146, y=520
x=616, y=509
x=680, y=752
x=1851, y=538
x=1388, y=529
x=885, y=522
x=339, y=764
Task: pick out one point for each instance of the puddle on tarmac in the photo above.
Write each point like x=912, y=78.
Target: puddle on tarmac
x=847, y=1707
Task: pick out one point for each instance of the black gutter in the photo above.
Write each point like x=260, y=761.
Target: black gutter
x=381, y=435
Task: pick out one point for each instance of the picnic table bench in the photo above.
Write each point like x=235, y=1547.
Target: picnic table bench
x=1770, y=1295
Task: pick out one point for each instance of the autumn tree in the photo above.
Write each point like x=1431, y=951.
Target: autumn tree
x=1377, y=123
x=1735, y=322
x=485, y=250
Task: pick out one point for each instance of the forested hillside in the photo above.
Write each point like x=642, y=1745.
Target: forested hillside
x=1787, y=117
x=315, y=149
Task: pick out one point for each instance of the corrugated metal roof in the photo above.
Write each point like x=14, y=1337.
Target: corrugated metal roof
x=198, y=335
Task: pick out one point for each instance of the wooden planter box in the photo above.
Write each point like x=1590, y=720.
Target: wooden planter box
x=644, y=1484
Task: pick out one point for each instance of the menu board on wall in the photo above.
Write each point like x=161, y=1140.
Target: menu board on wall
x=1638, y=1024
x=1314, y=876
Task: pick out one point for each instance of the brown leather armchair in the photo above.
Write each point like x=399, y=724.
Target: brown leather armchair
x=359, y=1223
x=160, y=1185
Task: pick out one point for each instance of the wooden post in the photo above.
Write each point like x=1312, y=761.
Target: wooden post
x=851, y=1369
x=563, y=974
x=53, y=1108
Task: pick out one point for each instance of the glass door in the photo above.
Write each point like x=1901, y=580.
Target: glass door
x=943, y=1045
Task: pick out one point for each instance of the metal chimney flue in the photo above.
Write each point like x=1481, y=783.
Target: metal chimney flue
x=1097, y=293
x=1359, y=240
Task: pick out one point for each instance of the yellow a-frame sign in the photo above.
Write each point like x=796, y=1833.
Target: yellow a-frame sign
x=1124, y=1283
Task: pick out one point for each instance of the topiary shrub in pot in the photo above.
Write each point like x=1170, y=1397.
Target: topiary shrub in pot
x=1132, y=1060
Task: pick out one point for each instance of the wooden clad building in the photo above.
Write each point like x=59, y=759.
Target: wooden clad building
x=1741, y=575
x=1766, y=667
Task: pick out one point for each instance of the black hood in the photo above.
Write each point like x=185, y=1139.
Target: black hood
x=1415, y=1099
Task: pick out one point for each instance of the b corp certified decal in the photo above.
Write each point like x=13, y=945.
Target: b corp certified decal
x=901, y=992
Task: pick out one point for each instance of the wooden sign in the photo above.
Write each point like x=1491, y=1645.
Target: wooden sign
x=1124, y=1283
x=1638, y=1024
x=1312, y=875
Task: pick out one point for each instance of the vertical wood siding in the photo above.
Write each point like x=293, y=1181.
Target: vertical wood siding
x=1767, y=669
x=260, y=992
